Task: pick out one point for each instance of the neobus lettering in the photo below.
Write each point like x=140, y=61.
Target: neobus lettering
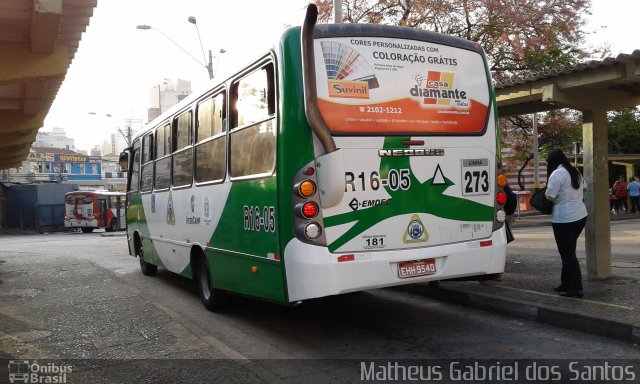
x=411, y=152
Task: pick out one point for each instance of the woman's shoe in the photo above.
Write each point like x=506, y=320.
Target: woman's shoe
x=577, y=294
x=560, y=288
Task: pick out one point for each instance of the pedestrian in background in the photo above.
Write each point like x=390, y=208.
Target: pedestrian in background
x=620, y=189
x=634, y=194
x=613, y=202
x=565, y=188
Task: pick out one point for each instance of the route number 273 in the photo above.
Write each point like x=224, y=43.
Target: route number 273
x=476, y=182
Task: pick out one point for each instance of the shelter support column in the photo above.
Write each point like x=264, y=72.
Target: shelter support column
x=595, y=157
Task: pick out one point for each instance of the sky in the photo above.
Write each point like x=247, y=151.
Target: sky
x=117, y=65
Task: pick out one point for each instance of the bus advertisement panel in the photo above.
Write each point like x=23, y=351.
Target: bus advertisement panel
x=382, y=85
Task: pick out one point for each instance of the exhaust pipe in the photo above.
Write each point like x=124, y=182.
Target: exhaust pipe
x=311, y=110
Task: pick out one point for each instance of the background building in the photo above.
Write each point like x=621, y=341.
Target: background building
x=167, y=94
x=57, y=138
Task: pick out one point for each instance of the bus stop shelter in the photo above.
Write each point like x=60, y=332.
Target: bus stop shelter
x=594, y=88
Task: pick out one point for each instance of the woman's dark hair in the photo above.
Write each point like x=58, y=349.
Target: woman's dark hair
x=555, y=158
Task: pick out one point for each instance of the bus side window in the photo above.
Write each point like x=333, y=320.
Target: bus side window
x=162, y=167
x=182, y=158
x=146, y=170
x=253, y=139
x=211, y=149
x=147, y=148
x=163, y=141
x=135, y=169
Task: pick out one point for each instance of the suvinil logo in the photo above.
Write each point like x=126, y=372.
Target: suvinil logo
x=348, y=88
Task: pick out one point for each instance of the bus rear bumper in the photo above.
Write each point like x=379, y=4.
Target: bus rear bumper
x=315, y=272
x=80, y=224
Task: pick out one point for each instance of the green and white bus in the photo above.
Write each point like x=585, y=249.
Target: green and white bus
x=347, y=157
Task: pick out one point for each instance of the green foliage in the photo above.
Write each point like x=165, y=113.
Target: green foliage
x=624, y=131
x=519, y=36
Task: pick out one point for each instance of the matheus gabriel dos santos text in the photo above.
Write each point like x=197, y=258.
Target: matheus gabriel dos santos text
x=495, y=371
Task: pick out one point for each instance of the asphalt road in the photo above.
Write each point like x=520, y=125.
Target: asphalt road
x=80, y=296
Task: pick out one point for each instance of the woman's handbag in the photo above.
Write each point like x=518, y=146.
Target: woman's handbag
x=539, y=201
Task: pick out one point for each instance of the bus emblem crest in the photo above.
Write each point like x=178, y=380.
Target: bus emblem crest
x=415, y=232
x=171, y=216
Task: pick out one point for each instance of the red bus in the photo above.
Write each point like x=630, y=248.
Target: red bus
x=89, y=210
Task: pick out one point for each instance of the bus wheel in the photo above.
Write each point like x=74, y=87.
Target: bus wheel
x=213, y=299
x=146, y=268
x=86, y=230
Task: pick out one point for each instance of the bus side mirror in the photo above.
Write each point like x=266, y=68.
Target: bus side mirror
x=124, y=161
x=330, y=170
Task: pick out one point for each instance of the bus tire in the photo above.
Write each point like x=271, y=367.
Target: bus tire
x=86, y=229
x=147, y=269
x=213, y=299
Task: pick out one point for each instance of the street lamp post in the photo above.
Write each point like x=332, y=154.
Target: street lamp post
x=208, y=64
x=126, y=134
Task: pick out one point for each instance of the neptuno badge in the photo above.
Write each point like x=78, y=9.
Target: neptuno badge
x=415, y=232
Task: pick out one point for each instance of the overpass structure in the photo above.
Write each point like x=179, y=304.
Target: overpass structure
x=593, y=88
x=38, y=40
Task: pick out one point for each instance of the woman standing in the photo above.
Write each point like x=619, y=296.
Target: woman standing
x=565, y=189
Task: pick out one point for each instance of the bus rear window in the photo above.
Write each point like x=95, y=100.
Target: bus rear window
x=79, y=198
x=372, y=85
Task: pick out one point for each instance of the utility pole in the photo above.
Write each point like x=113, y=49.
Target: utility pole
x=536, y=160
x=337, y=11
x=210, y=65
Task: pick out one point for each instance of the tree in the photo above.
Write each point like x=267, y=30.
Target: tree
x=624, y=131
x=519, y=36
x=556, y=129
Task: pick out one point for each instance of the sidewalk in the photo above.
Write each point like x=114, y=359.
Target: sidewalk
x=609, y=308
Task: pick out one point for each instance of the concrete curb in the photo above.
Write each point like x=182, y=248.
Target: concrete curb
x=114, y=234
x=547, y=314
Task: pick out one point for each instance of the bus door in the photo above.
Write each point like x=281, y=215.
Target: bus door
x=117, y=208
x=102, y=212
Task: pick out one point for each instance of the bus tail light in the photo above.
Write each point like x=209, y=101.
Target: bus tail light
x=312, y=231
x=305, y=199
x=307, y=188
x=501, y=216
x=501, y=180
x=501, y=198
x=309, y=210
